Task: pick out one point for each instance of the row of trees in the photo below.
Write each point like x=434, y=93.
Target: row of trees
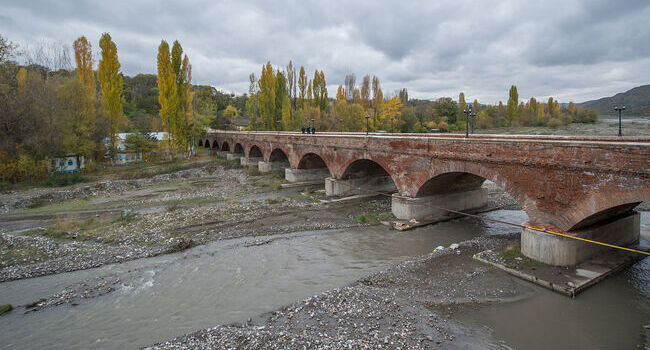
x=282, y=100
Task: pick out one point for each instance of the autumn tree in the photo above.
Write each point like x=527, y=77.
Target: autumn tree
x=462, y=106
x=266, y=95
x=340, y=94
x=377, y=97
x=110, y=81
x=302, y=86
x=390, y=113
x=252, y=103
x=513, y=104
x=291, y=85
x=84, y=57
x=167, y=91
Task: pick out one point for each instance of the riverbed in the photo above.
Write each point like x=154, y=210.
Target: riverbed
x=233, y=280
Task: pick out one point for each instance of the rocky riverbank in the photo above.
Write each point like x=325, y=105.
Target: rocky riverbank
x=407, y=306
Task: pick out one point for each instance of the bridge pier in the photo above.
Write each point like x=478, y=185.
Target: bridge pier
x=233, y=156
x=304, y=175
x=561, y=251
x=348, y=187
x=423, y=208
x=246, y=161
x=267, y=167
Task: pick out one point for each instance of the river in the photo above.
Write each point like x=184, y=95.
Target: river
x=229, y=281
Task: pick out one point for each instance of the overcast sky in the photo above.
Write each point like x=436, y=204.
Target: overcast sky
x=572, y=50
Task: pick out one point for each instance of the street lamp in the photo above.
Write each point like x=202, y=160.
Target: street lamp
x=340, y=125
x=312, y=125
x=367, y=117
x=619, y=110
x=391, y=125
x=278, y=122
x=467, y=112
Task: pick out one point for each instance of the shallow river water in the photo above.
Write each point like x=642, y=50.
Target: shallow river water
x=230, y=281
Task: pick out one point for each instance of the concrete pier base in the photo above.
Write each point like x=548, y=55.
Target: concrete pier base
x=561, y=251
x=349, y=187
x=420, y=208
x=267, y=167
x=246, y=161
x=304, y=175
x=233, y=156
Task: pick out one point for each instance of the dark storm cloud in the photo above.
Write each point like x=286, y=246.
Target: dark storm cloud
x=573, y=50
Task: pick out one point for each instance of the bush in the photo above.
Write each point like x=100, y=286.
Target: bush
x=443, y=126
x=22, y=168
x=58, y=180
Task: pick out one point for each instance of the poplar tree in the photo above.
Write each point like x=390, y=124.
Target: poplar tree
x=83, y=55
x=110, y=81
x=365, y=92
x=167, y=93
x=462, y=105
x=340, y=95
x=513, y=104
x=302, y=86
x=267, y=96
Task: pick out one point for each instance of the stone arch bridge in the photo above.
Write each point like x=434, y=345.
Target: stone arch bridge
x=585, y=186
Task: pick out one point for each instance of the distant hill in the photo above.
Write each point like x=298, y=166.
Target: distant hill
x=636, y=102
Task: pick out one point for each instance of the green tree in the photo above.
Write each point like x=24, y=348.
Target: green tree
x=513, y=105
x=167, y=93
x=110, y=81
x=460, y=114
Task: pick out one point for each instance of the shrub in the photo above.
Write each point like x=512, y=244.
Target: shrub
x=58, y=180
x=21, y=168
x=443, y=126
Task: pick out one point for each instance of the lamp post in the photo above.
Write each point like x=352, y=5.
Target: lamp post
x=619, y=110
x=392, y=129
x=367, y=117
x=279, y=125
x=312, y=125
x=467, y=112
x=340, y=125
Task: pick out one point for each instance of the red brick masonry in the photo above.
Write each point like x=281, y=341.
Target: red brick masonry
x=566, y=182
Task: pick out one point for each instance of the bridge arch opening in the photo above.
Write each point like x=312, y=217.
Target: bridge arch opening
x=239, y=149
x=278, y=155
x=606, y=215
x=201, y=143
x=215, y=145
x=225, y=147
x=255, y=152
x=312, y=161
x=362, y=176
x=450, y=182
x=206, y=144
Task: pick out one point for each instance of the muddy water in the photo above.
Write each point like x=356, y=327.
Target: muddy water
x=230, y=281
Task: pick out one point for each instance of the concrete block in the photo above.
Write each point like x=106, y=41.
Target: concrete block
x=250, y=160
x=420, y=208
x=561, y=251
x=233, y=156
x=303, y=175
x=267, y=167
x=348, y=187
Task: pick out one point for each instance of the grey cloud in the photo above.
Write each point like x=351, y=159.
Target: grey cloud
x=574, y=50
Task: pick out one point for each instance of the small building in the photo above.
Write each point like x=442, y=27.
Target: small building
x=124, y=158
x=68, y=163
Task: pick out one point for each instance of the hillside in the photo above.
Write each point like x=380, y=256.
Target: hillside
x=636, y=102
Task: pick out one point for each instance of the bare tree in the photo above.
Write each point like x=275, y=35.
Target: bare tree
x=51, y=55
x=7, y=49
x=350, y=82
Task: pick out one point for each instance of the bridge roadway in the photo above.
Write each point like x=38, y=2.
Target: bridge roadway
x=585, y=186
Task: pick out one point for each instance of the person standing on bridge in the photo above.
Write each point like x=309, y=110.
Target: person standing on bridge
x=303, y=129
x=308, y=130
x=313, y=130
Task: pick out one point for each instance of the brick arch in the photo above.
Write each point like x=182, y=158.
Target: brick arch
x=272, y=154
x=308, y=159
x=205, y=144
x=598, y=206
x=238, y=148
x=385, y=165
x=254, y=151
x=225, y=146
x=473, y=175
